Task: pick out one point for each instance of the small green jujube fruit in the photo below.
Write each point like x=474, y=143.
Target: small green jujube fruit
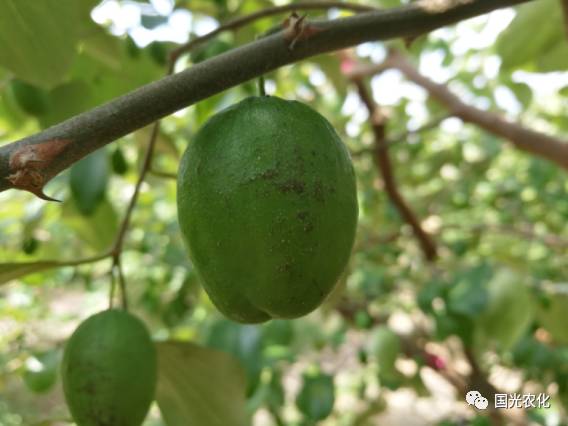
x=317, y=396
x=384, y=344
x=109, y=370
x=267, y=206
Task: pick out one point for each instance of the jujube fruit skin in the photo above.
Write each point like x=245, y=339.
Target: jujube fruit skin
x=109, y=370
x=267, y=206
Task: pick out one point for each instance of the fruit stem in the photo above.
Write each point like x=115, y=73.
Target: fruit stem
x=261, y=88
x=121, y=283
x=112, y=289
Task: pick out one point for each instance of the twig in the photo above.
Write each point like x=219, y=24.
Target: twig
x=117, y=246
x=122, y=283
x=564, y=4
x=161, y=174
x=112, y=288
x=276, y=416
x=403, y=137
x=43, y=265
x=525, y=139
x=384, y=165
x=241, y=21
x=478, y=381
x=551, y=240
x=413, y=346
x=95, y=128
x=116, y=250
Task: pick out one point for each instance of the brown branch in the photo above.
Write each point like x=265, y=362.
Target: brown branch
x=161, y=174
x=526, y=232
x=241, y=21
x=116, y=250
x=384, y=165
x=403, y=137
x=95, y=128
x=413, y=346
x=523, y=138
x=564, y=4
x=117, y=247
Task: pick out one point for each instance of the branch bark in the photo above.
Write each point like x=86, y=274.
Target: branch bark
x=384, y=165
x=241, y=21
x=564, y=4
x=523, y=138
x=46, y=155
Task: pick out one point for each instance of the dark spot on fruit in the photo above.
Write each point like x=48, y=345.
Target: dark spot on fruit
x=303, y=216
x=317, y=286
x=269, y=174
x=313, y=153
x=319, y=192
x=292, y=186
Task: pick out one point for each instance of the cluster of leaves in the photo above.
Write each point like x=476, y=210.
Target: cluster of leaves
x=498, y=217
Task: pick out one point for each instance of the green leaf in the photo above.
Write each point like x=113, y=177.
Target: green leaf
x=37, y=39
x=67, y=100
x=278, y=332
x=469, y=295
x=103, y=47
x=555, y=58
x=153, y=21
x=119, y=163
x=108, y=81
x=199, y=386
x=213, y=48
x=552, y=318
x=244, y=342
x=522, y=92
x=88, y=181
x=11, y=271
x=509, y=311
x=331, y=66
x=98, y=230
x=520, y=45
x=31, y=99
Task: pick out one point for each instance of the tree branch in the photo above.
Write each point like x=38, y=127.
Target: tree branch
x=525, y=139
x=50, y=151
x=384, y=165
x=564, y=4
x=241, y=21
x=403, y=136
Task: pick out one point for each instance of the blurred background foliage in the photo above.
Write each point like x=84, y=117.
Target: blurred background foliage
x=384, y=348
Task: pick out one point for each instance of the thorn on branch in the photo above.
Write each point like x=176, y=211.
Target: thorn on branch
x=297, y=28
x=28, y=163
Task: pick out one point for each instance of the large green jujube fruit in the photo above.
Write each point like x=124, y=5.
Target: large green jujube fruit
x=109, y=370
x=267, y=206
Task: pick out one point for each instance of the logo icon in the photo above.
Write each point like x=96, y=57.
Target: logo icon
x=477, y=400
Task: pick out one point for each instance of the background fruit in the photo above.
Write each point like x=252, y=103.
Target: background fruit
x=40, y=372
x=553, y=317
x=268, y=208
x=509, y=312
x=109, y=370
x=384, y=346
x=317, y=396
